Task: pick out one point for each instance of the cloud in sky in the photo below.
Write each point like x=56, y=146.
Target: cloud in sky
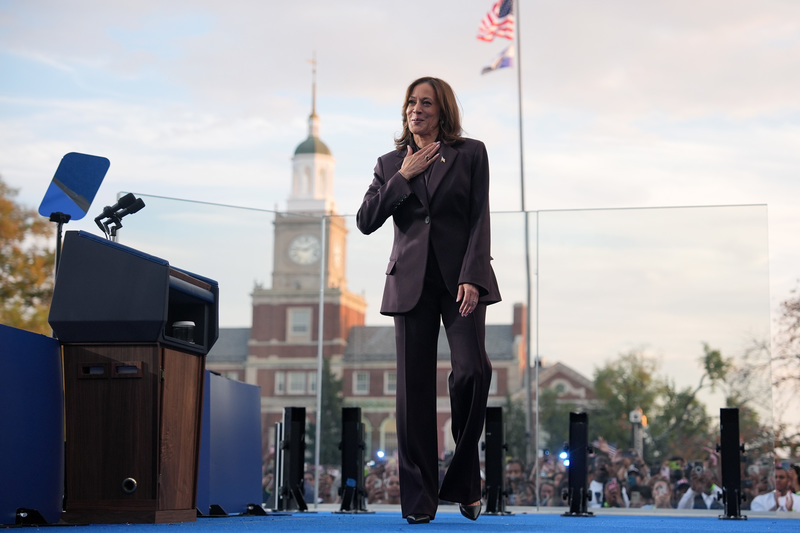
x=626, y=103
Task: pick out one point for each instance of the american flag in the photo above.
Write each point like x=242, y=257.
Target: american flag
x=498, y=22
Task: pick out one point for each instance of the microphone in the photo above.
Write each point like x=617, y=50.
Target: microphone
x=131, y=209
x=126, y=205
x=122, y=203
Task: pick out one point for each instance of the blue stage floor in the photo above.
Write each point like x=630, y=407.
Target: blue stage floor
x=387, y=518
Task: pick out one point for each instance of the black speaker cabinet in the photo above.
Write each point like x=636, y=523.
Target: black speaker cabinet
x=352, y=445
x=494, y=447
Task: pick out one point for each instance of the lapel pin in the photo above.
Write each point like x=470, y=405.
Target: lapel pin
x=442, y=159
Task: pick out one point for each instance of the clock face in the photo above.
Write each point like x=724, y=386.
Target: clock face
x=304, y=250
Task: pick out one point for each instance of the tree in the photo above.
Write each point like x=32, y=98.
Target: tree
x=683, y=423
x=621, y=386
x=330, y=419
x=785, y=367
x=678, y=422
x=680, y=425
x=514, y=422
x=553, y=420
x=26, y=265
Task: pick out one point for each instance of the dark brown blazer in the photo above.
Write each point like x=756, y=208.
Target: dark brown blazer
x=449, y=215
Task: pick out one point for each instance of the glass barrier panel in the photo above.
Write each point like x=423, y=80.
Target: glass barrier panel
x=648, y=320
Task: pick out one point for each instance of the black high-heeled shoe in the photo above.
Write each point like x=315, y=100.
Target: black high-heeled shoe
x=470, y=511
x=418, y=518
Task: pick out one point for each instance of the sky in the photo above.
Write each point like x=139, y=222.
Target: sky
x=627, y=107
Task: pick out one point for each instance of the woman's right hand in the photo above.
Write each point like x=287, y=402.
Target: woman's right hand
x=415, y=163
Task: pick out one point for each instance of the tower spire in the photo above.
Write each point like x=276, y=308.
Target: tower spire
x=313, y=119
x=313, y=62
x=313, y=164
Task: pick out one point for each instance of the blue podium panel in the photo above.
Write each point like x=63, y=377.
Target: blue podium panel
x=31, y=425
x=230, y=446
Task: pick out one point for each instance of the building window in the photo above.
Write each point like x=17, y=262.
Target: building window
x=312, y=382
x=298, y=324
x=389, y=436
x=297, y=382
x=390, y=382
x=280, y=383
x=361, y=383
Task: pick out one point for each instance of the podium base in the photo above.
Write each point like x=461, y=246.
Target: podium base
x=128, y=516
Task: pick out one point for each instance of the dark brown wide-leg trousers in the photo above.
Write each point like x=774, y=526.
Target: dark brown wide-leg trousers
x=416, y=335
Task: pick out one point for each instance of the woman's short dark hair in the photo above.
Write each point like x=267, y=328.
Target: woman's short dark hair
x=449, y=119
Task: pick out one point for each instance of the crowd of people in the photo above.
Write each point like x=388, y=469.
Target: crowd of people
x=620, y=479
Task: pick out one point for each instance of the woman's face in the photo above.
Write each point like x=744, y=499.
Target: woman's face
x=393, y=486
x=661, y=491
x=423, y=111
x=793, y=481
x=526, y=497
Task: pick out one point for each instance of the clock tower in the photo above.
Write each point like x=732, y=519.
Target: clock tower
x=309, y=263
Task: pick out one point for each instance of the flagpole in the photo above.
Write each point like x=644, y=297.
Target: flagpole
x=531, y=447
x=500, y=22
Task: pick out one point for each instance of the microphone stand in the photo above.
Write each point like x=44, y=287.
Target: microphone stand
x=113, y=217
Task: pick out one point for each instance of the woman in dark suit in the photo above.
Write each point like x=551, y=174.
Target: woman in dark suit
x=435, y=186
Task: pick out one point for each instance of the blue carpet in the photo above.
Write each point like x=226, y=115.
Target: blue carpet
x=325, y=521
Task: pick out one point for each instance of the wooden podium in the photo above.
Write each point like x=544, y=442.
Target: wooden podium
x=133, y=386
x=132, y=439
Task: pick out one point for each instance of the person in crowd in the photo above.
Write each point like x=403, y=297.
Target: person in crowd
x=780, y=499
x=636, y=476
x=703, y=492
x=641, y=497
x=547, y=494
x=391, y=468
x=435, y=187
x=680, y=489
x=308, y=487
x=751, y=479
x=547, y=468
x=373, y=484
x=600, y=476
x=661, y=490
x=561, y=489
x=268, y=486
x=794, y=478
x=527, y=494
x=559, y=477
x=392, y=485
x=325, y=491
x=514, y=479
x=613, y=492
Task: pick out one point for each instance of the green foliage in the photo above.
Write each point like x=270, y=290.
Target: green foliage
x=553, y=420
x=621, y=386
x=677, y=419
x=514, y=421
x=26, y=265
x=330, y=418
x=680, y=423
